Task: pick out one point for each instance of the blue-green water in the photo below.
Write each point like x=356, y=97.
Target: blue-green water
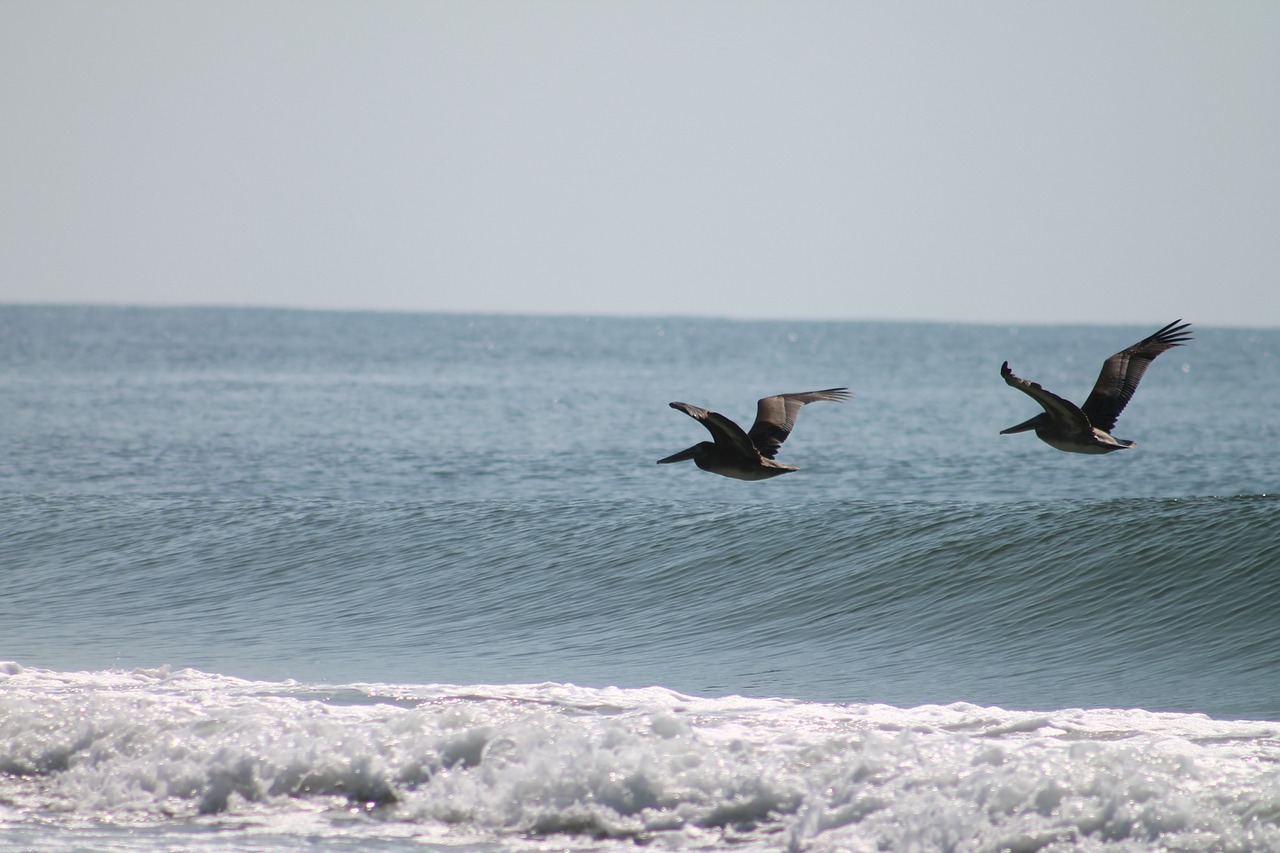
x=319, y=500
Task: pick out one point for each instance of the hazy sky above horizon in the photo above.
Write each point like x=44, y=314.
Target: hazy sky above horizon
x=1083, y=162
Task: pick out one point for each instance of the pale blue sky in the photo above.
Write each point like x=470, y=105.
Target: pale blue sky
x=1097, y=162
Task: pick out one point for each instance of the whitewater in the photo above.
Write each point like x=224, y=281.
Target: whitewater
x=197, y=761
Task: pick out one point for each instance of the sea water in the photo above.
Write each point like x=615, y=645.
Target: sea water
x=287, y=580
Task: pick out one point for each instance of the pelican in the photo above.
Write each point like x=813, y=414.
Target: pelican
x=749, y=455
x=1087, y=429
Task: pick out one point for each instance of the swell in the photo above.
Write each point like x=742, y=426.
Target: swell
x=1160, y=604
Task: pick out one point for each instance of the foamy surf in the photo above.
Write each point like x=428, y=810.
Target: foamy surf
x=199, y=760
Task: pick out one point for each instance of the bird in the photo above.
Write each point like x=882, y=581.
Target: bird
x=1087, y=428
x=749, y=455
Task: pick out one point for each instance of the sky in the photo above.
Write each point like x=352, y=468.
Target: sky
x=1003, y=162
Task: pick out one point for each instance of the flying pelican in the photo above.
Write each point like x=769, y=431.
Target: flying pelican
x=749, y=455
x=1087, y=429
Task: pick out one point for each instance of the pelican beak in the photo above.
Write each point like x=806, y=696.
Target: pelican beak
x=681, y=456
x=1023, y=427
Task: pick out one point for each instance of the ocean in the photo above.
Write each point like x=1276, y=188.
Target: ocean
x=293, y=580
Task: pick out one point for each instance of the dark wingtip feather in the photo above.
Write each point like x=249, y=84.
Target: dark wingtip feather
x=1175, y=334
x=837, y=395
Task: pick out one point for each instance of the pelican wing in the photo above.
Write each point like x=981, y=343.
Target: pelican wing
x=1123, y=371
x=724, y=431
x=1062, y=411
x=775, y=417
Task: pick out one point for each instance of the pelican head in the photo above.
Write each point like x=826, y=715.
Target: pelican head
x=699, y=451
x=1039, y=420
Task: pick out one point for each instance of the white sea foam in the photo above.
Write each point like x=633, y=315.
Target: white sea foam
x=517, y=766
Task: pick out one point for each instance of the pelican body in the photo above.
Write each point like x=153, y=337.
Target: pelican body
x=1087, y=428
x=749, y=455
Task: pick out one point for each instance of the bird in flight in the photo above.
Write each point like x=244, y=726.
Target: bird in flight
x=1087, y=428
x=749, y=455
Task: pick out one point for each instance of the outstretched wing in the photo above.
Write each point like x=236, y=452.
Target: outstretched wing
x=1062, y=411
x=1123, y=371
x=775, y=417
x=724, y=431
